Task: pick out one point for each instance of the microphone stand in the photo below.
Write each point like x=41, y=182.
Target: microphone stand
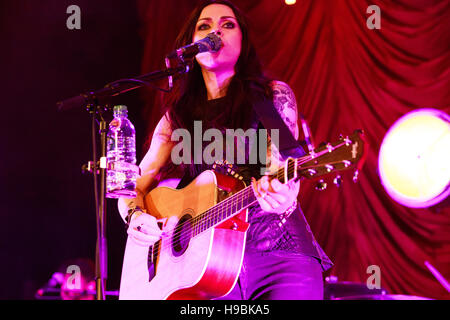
x=102, y=97
x=97, y=102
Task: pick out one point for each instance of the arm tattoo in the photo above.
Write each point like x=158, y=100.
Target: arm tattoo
x=286, y=105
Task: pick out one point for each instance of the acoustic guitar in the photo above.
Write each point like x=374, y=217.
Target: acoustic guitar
x=201, y=257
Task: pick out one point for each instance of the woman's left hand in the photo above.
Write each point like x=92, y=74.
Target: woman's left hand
x=274, y=196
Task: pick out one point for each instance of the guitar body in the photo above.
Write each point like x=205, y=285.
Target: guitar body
x=204, y=266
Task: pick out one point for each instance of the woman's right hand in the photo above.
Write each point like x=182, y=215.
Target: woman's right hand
x=144, y=229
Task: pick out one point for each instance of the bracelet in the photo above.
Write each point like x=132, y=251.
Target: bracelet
x=288, y=212
x=132, y=211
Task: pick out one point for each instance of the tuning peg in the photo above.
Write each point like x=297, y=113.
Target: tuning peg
x=347, y=141
x=321, y=185
x=355, y=176
x=338, y=181
x=329, y=147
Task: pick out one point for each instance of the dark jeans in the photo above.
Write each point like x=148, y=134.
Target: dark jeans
x=278, y=275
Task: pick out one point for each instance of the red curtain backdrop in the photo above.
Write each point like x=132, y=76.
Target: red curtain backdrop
x=346, y=76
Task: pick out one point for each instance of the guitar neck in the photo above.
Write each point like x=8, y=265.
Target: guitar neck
x=240, y=200
x=341, y=155
x=224, y=210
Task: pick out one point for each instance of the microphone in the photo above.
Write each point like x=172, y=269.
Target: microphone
x=211, y=43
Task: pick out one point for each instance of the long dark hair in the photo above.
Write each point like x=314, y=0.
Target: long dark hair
x=189, y=94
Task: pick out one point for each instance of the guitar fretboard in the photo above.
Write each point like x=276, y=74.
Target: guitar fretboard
x=320, y=161
x=223, y=210
x=233, y=204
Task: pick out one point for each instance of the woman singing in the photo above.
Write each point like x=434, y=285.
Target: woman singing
x=281, y=261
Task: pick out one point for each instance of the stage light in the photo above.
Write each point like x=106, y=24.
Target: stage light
x=414, y=159
x=290, y=2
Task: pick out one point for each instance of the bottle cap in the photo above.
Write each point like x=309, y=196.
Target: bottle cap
x=120, y=108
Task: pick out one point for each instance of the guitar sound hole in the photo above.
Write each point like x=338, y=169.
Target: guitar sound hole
x=182, y=235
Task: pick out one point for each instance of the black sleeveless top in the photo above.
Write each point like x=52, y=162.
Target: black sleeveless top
x=265, y=232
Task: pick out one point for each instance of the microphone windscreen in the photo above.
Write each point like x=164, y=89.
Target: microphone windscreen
x=214, y=42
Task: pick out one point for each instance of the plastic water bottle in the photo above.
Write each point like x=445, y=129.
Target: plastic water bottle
x=121, y=154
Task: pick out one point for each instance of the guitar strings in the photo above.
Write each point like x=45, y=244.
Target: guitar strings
x=219, y=209
x=211, y=213
x=178, y=235
x=214, y=213
x=280, y=174
x=217, y=215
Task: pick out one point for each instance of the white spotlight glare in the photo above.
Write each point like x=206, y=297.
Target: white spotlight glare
x=414, y=159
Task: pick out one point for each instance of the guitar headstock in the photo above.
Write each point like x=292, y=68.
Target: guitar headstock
x=346, y=153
